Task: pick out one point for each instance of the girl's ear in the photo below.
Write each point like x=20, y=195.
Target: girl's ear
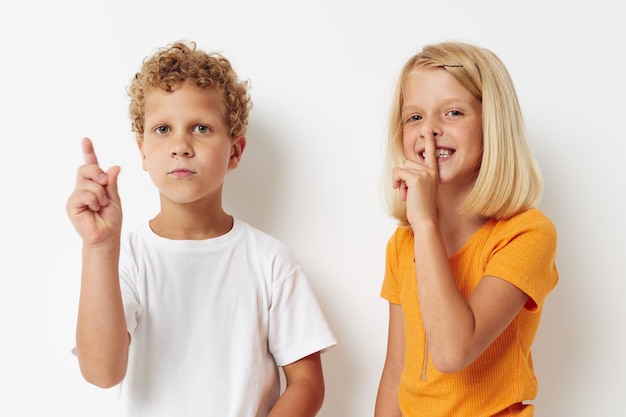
x=239, y=144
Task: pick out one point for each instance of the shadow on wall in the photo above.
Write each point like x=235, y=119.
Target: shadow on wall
x=340, y=378
x=251, y=191
x=255, y=193
x=558, y=351
x=345, y=375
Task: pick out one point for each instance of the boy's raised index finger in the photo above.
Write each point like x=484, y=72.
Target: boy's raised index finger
x=89, y=154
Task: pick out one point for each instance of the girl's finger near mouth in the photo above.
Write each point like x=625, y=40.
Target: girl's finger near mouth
x=430, y=152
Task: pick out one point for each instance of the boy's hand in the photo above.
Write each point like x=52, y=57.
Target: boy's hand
x=94, y=206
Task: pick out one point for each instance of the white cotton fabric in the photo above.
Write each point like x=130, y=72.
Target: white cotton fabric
x=211, y=320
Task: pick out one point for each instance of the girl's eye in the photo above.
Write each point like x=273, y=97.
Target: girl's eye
x=162, y=130
x=414, y=118
x=202, y=129
x=455, y=113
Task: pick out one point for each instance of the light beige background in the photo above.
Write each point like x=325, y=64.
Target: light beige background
x=322, y=74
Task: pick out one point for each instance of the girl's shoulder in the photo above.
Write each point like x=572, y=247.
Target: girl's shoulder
x=532, y=216
x=530, y=222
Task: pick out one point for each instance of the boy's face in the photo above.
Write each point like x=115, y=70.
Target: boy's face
x=186, y=148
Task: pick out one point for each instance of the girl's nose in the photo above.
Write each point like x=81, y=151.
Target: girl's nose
x=427, y=132
x=431, y=128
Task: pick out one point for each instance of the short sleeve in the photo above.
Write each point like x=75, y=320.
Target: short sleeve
x=393, y=260
x=297, y=325
x=391, y=288
x=527, y=258
x=128, y=286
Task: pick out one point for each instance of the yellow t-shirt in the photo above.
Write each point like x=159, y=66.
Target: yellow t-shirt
x=520, y=250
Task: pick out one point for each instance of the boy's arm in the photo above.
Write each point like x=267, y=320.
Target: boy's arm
x=95, y=212
x=304, y=394
x=101, y=337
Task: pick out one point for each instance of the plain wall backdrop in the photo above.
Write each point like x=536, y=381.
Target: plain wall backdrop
x=321, y=78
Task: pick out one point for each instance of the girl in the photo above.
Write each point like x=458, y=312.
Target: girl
x=472, y=261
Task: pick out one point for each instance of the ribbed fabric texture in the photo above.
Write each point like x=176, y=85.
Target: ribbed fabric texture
x=520, y=250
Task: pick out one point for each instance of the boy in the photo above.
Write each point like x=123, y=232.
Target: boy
x=193, y=311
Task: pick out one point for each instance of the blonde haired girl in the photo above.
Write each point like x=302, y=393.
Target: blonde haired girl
x=472, y=260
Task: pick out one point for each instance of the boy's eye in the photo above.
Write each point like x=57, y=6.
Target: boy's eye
x=202, y=129
x=162, y=130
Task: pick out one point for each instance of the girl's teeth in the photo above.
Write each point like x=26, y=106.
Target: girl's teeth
x=440, y=153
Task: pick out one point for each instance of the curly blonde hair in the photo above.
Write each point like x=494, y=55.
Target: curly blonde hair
x=181, y=62
x=509, y=180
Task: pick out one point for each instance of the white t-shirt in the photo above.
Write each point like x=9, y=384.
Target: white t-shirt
x=210, y=321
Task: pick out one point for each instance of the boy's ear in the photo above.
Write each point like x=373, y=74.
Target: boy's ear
x=143, y=155
x=239, y=144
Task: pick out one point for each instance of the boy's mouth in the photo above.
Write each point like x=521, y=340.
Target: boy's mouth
x=181, y=172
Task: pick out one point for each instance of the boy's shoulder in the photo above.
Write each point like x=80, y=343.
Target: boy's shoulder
x=242, y=237
x=260, y=238
x=240, y=230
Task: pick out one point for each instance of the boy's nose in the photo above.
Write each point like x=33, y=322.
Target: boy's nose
x=181, y=148
x=177, y=152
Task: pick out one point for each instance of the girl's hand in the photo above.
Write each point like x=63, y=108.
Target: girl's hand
x=417, y=183
x=94, y=206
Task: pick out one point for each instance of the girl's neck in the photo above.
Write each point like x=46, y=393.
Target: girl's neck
x=456, y=226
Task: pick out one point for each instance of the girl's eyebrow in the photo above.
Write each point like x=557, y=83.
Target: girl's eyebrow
x=406, y=110
x=442, y=103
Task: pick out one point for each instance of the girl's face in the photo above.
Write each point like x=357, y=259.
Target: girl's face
x=186, y=147
x=437, y=104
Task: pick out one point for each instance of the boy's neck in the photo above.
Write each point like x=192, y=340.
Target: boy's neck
x=191, y=226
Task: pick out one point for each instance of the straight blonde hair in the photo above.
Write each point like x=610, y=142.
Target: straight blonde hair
x=509, y=180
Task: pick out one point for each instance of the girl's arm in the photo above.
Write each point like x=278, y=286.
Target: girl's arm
x=387, y=398
x=458, y=331
x=304, y=393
